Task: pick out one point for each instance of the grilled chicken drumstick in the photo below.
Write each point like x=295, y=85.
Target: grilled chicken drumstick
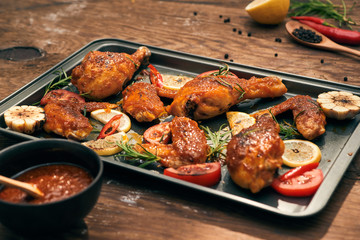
x=66, y=118
x=310, y=120
x=189, y=144
x=102, y=74
x=141, y=101
x=255, y=153
x=205, y=97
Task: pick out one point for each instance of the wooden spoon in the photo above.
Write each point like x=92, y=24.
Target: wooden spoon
x=26, y=187
x=326, y=43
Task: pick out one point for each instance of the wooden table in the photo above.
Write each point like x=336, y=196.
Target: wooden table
x=129, y=206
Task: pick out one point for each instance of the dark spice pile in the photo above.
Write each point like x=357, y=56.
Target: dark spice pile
x=307, y=35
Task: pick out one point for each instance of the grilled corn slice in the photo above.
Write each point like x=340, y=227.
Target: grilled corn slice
x=24, y=119
x=339, y=104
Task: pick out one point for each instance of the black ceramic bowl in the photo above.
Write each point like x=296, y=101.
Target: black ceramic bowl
x=31, y=218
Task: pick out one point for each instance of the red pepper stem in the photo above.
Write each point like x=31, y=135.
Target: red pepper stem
x=298, y=171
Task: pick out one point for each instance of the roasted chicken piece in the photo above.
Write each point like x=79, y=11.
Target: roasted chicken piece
x=102, y=74
x=141, y=101
x=189, y=144
x=208, y=96
x=310, y=120
x=255, y=153
x=66, y=118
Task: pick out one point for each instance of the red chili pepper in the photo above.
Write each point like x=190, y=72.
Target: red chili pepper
x=298, y=171
x=336, y=34
x=155, y=76
x=308, y=18
x=110, y=127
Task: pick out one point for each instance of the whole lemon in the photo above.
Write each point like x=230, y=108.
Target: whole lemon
x=268, y=11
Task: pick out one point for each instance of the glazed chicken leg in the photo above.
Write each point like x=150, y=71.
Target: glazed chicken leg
x=141, y=101
x=102, y=74
x=208, y=96
x=189, y=144
x=310, y=120
x=255, y=153
x=66, y=118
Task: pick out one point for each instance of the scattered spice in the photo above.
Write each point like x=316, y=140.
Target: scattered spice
x=278, y=40
x=345, y=79
x=307, y=35
x=322, y=60
x=234, y=29
x=227, y=20
x=239, y=32
x=195, y=13
x=276, y=54
x=226, y=56
x=249, y=34
x=220, y=16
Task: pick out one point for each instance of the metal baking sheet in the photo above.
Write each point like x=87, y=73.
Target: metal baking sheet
x=338, y=145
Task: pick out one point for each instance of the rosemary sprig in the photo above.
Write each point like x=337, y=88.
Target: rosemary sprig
x=217, y=141
x=130, y=153
x=63, y=80
x=324, y=9
x=286, y=129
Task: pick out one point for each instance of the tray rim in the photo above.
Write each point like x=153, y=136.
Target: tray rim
x=310, y=210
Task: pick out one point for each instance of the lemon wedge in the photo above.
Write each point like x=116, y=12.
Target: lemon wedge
x=174, y=82
x=238, y=121
x=268, y=11
x=108, y=145
x=104, y=116
x=300, y=152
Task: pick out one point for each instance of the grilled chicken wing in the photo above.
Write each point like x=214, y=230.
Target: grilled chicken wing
x=66, y=118
x=189, y=144
x=141, y=101
x=310, y=120
x=208, y=96
x=102, y=74
x=254, y=154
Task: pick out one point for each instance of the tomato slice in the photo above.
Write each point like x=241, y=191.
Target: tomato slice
x=61, y=94
x=205, y=174
x=298, y=171
x=159, y=133
x=303, y=185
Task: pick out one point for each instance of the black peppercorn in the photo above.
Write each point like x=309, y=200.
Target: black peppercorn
x=322, y=60
x=249, y=34
x=276, y=54
x=278, y=40
x=345, y=79
x=226, y=56
x=307, y=35
x=240, y=32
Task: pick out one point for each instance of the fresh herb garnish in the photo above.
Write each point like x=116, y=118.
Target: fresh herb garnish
x=324, y=9
x=286, y=129
x=130, y=153
x=62, y=80
x=217, y=141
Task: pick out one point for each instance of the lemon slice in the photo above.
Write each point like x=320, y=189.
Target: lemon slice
x=268, y=11
x=300, y=152
x=104, y=116
x=239, y=120
x=174, y=82
x=108, y=145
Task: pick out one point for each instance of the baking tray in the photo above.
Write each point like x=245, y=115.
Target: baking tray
x=338, y=145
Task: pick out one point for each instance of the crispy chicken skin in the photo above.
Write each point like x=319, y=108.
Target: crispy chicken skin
x=255, y=153
x=189, y=144
x=66, y=118
x=205, y=97
x=141, y=101
x=102, y=74
x=310, y=120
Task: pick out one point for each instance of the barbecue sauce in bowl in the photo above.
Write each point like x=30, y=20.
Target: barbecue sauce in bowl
x=57, y=181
